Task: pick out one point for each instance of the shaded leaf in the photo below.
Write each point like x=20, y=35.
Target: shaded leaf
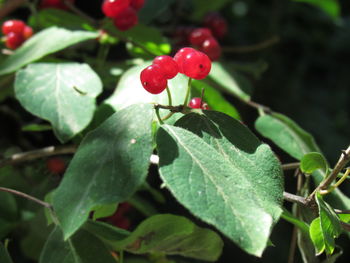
x=316, y=236
x=63, y=94
x=331, y=7
x=105, y=232
x=108, y=167
x=153, y=9
x=41, y=44
x=81, y=248
x=223, y=174
x=286, y=215
x=173, y=235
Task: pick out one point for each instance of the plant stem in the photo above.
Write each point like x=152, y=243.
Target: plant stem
x=188, y=91
x=121, y=256
x=290, y=166
x=80, y=13
x=10, y=6
x=158, y=115
x=294, y=198
x=170, y=102
x=36, y=154
x=26, y=196
x=102, y=54
x=339, y=182
x=256, y=47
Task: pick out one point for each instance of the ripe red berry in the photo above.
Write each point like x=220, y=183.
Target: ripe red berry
x=137, y=4
x=13, y=26
x=13, y=40
x=196, y=103
x=113, y=8
x=153, y=80
x=216, y=23
x=181, y=54
x=198, y=36
x=168, y=65
x=58, y=4
x=126, y=20
x=56, y=165
x=196, y=65
x=212, y=48
x=27, y=32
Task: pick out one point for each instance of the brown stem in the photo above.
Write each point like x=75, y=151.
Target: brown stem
x=294, y=198
x=36, y=154
x=256, y=47
x=10, y=6
x=257, y=106
x=340, y=211
x=26, y=196
x=290, y=166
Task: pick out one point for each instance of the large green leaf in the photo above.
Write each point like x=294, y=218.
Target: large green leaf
x=110, y=164
x=63, y=94
x=294, y=140
x=83, y=247
x=173, y=235
x=130, y=91
x=4, y=255
x=286, y=134
x=55, y=17
x=41, y=44
x=316, y=236
x=224, y=175
x=214, y=98
x=329, y=222
x=331, y=7
x=142, y=40
x=230, y=81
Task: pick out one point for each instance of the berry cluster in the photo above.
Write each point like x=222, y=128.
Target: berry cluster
x=119, y=218
x=123, y=12
x=187, y=61
x=197, y=103
x=57, y=4
x=205, y=38
x=16, y=32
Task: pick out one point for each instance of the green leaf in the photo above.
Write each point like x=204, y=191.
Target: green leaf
x=41, y=44
x=142, y=205
x=173, y=235
x=105, y=232
x=330, y=224
x=129, y=90
x=230, y=81
x=291, y=138
x=286, y=134
x=55, y=17
x=8, y=207
x=153, y=9
x=331, y=7
x=104, y=210
x=36, y=128
x=109, y=166
x=223, y=174
x=313, y=161
x=81, y=248
x=201, y=9
x=316, y=236
x=214, y=99
x=63, y=94
x=4, y=255
x=143, y=40
x=286, y=215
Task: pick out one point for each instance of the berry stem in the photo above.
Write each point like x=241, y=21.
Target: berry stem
x=170, y=101
x=158, y=115
x=188, y=91
x=121, y=256
x=102, y=54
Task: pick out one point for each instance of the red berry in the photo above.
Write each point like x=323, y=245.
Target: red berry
x=181, y=54
x=217, y=24
x=197, y=103
x=27, y=32
x=126, y=20
x=13, y=40
x=168, y=65
x=137, y=4
x=153, y=80
x=212, y=48
x=196, y=65
x=123, y=223
x=13, y=26
x=113, y=8
x=56, y=165
x=58, y=4
x=198, y=36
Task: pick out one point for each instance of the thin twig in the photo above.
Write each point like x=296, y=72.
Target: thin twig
x=179, y=108
x=294, y=198
x=10, y=6
x=80, y=13
x=345, y=226
x=36, y=154
x=257, y=106
x=290, y=166
x=26, y=196
x=340, y=211
x=251, y=48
